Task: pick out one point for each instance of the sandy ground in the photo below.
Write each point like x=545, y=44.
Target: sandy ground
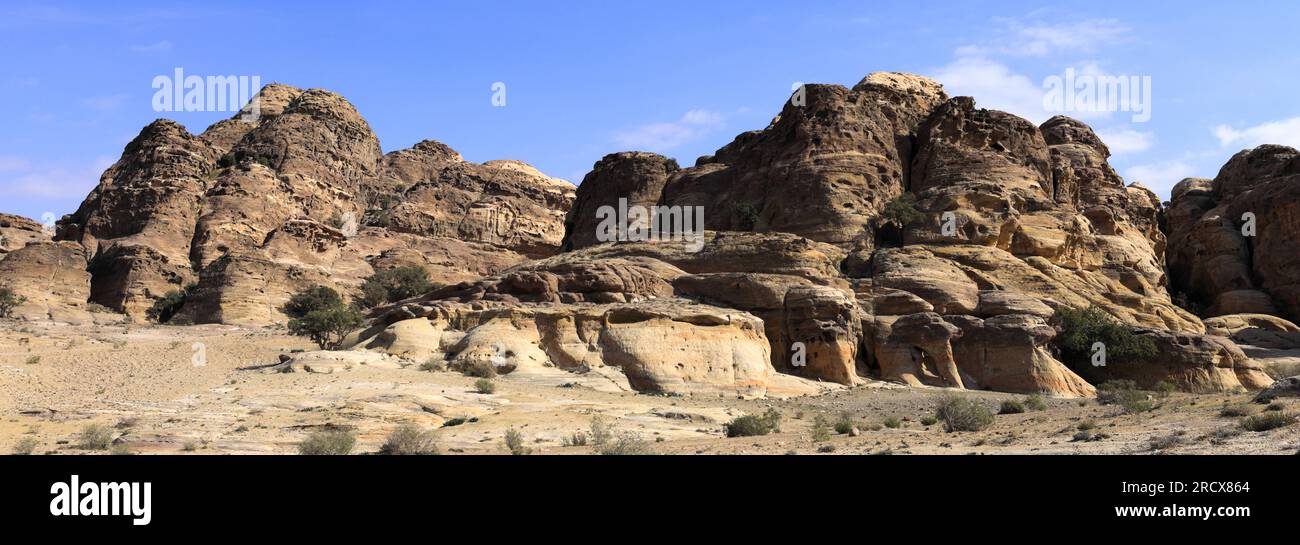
x=211, y=390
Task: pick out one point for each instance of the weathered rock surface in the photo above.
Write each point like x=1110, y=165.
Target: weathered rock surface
x=255, y=209
x=17, y=231
x=1232, y=239
x=52, y=277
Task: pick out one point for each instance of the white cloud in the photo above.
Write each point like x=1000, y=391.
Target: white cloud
x=665, y=136
x=72, y=181
x=994, y=86
x=1161, y=176
x=1126, y=141
x=1285, y=132
x=1019, y=37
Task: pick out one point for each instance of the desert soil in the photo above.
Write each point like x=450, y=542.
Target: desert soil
x=148, y=385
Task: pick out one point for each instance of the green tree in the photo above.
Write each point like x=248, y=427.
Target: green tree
x=9, y=301
x=394, y=284
x=327, y=327
x=313, y=298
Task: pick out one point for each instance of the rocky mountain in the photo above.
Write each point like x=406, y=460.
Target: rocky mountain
x=881, y=231
x=247, y=213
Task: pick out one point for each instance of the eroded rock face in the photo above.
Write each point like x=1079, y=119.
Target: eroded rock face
x=634, y=178
x=52, y=277
x=1232, y=239
x=668, y=346
x=256, y=209
x=1194, y=363
x=17, y=231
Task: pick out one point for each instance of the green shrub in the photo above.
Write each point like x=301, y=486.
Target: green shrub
x=902, y=210
x=167, y=306
x=515, y=442
x=1276, y=406
x=1166, y=442
x=929, y=421
x=33, y=360
x=327, y=327
x=578, y=439
x=1087, y=425
x=328, y=443
x=1125, y=394
x=821, y=429
x=1165, y=388
x=9, y=301
x=1267, y=421
x=1235, y=411
x=1011, y=407
x=1035, y=403
x=226, y=161
x=25, y=446
x=625, y=444
x=480, y=369
x=1080, y=329
x=485, y=386
x=394, y=284
x=410, y=440
x=602, y=432
x=750, y=425
x=747, y=215
x=893, y=423
x=312, y=299
x=433, y=364
x=95, y=437
x=844, y=424
x=961, y=414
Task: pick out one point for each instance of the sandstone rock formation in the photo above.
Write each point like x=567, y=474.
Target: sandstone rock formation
x=1232, y=239
x=253, y=210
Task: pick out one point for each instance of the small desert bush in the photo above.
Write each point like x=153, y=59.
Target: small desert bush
x=1125, y=394
x=625, y=444
x=1166, y=442
x=95, y=437
x=893, y=423
x=394, y=284
x=25, y=446
x=9, y=301
x=821, y=430
x=485, y=386
x=751, y=425
x=1267, y=421
x=961, y=414
x=410, y=440
x=33, y=360
x=481, y=369
x=433, y=364
x=514, y=441
x=1035, y=403
x=902, y=210
x=844, y=424
x=1087, y=425
x=1275, y=406
x=602, y=431
x=1281, y=371
x=1234, y=411
x=1011, y=407
x=328, y=443
x=929, y=420
x=578, y=439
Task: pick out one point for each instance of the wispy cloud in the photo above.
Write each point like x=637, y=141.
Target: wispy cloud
x=11, y=164
x=1034, y=38
x=1126, y=141
x=666, y=136
x=1285, y=132
x=994, y=85
x=60, y=181
x=1161, y=176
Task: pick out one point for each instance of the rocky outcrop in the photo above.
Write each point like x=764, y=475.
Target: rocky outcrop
x=52, y=277
x=668, y=346
x=17, y=231
x=258, y=207
x=1232, y=238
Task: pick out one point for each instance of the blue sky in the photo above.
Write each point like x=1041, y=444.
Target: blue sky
x=586, y=78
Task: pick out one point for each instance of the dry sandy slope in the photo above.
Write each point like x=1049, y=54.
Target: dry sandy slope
x=142, y=380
